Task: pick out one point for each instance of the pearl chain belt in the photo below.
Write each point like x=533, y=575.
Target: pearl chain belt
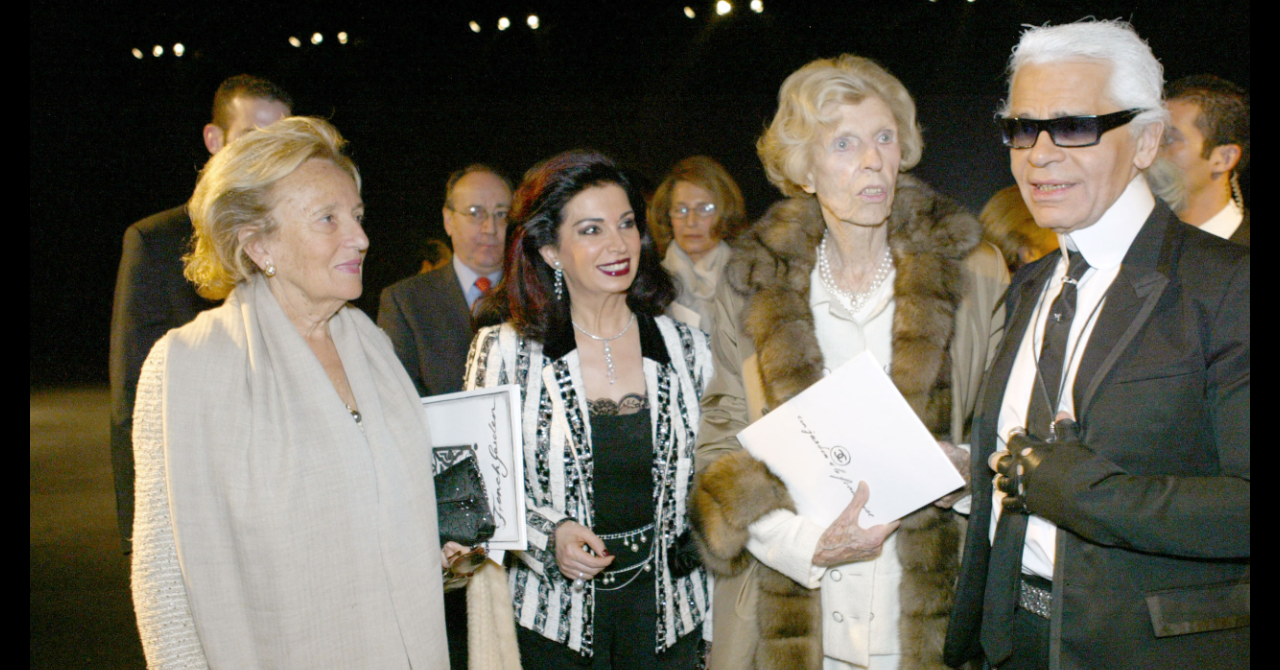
x=633, y=540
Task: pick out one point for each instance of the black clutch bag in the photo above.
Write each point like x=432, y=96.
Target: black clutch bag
x=462, y=506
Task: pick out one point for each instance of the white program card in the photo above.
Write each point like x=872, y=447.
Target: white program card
x=852, y=426
x=486, y=423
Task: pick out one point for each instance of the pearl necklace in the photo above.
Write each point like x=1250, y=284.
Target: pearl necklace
x=853, y=302
x=608, y=355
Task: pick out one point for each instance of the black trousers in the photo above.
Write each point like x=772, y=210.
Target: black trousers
x=1030, y=642
x=624, y=637
x=455, y=627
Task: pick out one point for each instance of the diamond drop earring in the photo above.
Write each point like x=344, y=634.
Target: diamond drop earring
x=559, y=281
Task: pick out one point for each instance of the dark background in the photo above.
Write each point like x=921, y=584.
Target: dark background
x=114, y=138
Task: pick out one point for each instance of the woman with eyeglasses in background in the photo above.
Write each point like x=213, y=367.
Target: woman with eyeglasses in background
x=700, y=206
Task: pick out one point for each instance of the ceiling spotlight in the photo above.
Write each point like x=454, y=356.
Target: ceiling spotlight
x=504, y=23
x=688, y=11
x=342, y=38
x=757, y=6
x=178, y=50
x=475, y=27
x=293, y=41
x=157, y=51
x=723, y=7
x=317, y=38
x=137, y=53
x=533, y=21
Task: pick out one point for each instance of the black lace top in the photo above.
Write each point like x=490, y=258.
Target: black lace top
x=622, y=449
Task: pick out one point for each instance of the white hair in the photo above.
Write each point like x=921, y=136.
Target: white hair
x=1137, y=78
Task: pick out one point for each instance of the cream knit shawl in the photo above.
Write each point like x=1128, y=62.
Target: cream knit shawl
x=304, y=542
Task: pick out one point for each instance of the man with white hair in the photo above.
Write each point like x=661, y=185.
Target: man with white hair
x=1112, y=527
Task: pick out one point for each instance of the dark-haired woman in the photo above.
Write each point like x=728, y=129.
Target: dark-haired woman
x=610, y=406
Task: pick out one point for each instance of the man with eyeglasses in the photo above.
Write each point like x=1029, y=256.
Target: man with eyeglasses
x=428, y=316
x=1111, y=526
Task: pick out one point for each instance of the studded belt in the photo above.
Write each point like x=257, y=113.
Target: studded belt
x=1035, y=595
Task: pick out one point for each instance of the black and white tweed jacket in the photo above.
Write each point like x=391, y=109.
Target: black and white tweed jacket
x=558, y=467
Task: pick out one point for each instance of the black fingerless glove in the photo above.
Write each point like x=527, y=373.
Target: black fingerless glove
x=1025, y=455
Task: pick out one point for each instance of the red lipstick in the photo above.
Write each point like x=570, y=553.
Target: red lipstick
x=617, y=269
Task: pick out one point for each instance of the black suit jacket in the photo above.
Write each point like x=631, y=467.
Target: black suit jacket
x=1241, y=236
x=427, y=318
x=1152, y=556
x=152, y=297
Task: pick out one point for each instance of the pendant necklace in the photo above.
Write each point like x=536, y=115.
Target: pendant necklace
x=853, y=302
x=355, y=413
x=608, y=355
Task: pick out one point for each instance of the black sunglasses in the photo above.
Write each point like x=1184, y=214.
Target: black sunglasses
x=1065, y=131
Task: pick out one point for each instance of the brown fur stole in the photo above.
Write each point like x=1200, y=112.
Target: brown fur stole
x=929, y=237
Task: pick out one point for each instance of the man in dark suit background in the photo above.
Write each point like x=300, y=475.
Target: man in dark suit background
x=1208, y=141
x=152, y=296
x=428, y=316
x=1116, y=534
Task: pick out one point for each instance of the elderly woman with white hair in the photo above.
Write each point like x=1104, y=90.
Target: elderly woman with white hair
x=286, y=511
x=859, y=258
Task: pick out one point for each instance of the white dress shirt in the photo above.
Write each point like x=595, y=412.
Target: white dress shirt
x=1224, y=223
x=1103, y=245
x=467, y=280
x=859, y=600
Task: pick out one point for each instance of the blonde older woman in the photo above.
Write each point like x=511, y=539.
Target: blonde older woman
x=860, y=257
x=697, y=206
x=286, y=515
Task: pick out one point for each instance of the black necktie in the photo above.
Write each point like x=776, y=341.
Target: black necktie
x=1005, y=568
x=1053, y=349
